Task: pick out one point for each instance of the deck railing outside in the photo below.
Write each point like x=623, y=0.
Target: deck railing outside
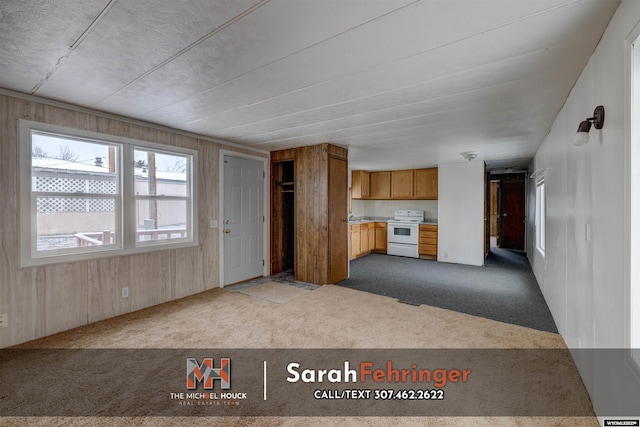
x=107, y=237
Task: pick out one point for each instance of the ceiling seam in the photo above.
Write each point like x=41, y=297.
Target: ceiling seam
x=542, y=12
x=95, y=22
x=368, y=133
x=186, y=49
x=392, y=91
x=75, y=45
x=289, y=55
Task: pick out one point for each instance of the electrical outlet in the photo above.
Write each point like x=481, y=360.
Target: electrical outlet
x=125, y=292
x=4, y=318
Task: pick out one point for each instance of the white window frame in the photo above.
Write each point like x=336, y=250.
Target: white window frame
x=125, y=220
x=541, y=215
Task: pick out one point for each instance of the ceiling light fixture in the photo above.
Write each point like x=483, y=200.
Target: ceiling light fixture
x=469, y=155
x=582, y=136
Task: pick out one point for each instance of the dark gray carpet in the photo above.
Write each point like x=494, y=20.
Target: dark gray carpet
x=504, y=289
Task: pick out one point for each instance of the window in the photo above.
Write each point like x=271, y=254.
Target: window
x=541, y=213
x=86, y=195
x=161, y=198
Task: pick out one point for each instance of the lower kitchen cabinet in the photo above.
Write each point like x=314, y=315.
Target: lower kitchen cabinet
x=372, y=236
x=367, y=237
x=428, y=241
x=354, y=240
x=364, y=239
x=380, y=237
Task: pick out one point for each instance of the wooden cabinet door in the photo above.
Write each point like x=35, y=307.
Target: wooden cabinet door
x=355, y=240
x=380, y=185
x=380, y=237
x=365, y=182
x=402, y=184
x=426, y=184
x=372, y=236
x=351, y=241
x=364, y=239
x=360, y=185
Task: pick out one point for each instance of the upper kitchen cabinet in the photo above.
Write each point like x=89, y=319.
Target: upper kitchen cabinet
x=402, y=184
x=411, y=184
x=380, y=185
x=426, y=184
x=360, y=185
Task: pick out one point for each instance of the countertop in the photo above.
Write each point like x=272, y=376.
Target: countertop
x=367, y=219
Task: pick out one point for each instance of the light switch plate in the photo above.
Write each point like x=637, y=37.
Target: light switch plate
x=4, y=318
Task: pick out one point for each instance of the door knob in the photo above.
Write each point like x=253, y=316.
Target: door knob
x=227, y=231
x=504, y=214
x=227, y=221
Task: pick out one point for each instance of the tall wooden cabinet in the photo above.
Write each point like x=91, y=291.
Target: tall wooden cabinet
x=320, y=204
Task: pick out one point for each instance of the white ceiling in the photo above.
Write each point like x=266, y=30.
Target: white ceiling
x=401, y=83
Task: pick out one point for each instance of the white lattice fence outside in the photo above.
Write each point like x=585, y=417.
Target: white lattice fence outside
x=91, y=184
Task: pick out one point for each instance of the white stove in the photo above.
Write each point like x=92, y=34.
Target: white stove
x=402, y=233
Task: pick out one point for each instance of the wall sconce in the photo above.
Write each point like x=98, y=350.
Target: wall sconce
x=582, y=136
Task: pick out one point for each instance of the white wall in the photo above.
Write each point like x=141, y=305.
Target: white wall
x=386, y=208
x=461, y=213
x=583, y=273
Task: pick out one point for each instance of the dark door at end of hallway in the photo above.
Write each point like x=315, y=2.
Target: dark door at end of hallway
x=512, y=217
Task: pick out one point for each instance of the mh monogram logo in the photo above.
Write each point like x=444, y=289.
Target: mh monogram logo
x=206, y=372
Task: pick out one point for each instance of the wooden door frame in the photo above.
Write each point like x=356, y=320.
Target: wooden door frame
x=266, y=202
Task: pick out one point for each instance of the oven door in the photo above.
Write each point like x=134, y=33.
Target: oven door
x=402, y=249
x=402, y=233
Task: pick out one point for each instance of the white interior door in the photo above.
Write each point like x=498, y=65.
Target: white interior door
x=243, y=219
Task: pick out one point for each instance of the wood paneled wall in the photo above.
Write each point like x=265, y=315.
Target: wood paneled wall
x=41, y=301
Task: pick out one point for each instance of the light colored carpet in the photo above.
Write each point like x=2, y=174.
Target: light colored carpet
x=325, y=318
